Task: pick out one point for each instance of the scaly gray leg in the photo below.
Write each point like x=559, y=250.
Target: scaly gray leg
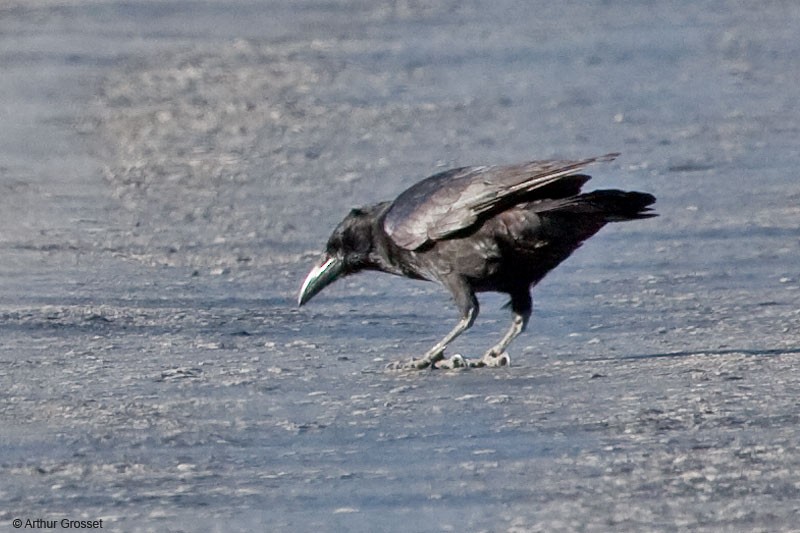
x=437, y=352
x=468, y=305
x=496, y=355
x=521, y=306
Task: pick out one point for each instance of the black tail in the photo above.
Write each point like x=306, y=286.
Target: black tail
x=611, y=204
x=618, y=205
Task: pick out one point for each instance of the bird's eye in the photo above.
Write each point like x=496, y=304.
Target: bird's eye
x=356, y=243
x=349, y=241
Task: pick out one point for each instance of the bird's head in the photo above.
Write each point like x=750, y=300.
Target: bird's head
x=347, y=252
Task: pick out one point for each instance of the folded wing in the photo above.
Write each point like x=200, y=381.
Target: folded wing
x=451, y=201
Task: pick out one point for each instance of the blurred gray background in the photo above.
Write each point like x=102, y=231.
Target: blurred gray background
x=169, y=171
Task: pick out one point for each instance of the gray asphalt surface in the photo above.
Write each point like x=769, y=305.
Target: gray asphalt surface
x=170, y=170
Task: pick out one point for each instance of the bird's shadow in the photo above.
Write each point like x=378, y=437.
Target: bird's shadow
x=756, y=352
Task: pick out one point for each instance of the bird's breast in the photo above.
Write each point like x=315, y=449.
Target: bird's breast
x=473, y=257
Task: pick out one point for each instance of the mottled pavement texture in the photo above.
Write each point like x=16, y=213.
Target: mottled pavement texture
x=169, y=171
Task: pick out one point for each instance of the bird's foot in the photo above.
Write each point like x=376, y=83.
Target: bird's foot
x=488, y=360
x=492, y=359
x=427, y=361
x=408, y=364
x=452, y=362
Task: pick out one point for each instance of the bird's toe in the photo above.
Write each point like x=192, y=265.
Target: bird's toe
x=503, y=359
x=395, y=365
x=455, y=361
x=491, y=353
x=409, y=364
x=452, y=362
x=494, y=360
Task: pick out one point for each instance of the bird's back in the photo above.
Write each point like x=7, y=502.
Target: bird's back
x=456, y=200
x=517, y=247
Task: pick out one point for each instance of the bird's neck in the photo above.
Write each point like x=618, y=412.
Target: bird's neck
x=386, y=256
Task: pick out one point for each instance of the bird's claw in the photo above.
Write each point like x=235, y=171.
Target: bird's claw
x=493, y=360
x=488, y=360
x=413, y=364
x=453, y=362
x=409, y=364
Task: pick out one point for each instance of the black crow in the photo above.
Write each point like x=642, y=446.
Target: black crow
x=473, y=229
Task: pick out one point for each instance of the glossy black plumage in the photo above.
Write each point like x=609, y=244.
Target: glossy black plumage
x=473, y=229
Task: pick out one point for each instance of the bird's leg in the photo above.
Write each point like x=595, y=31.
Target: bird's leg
x=496, y=355
x=468, y=305
x=437, y=352
x=521, y=306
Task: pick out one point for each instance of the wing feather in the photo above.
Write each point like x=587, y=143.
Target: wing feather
x=453, y=200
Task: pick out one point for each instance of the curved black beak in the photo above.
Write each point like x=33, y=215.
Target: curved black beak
x=323, y=274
